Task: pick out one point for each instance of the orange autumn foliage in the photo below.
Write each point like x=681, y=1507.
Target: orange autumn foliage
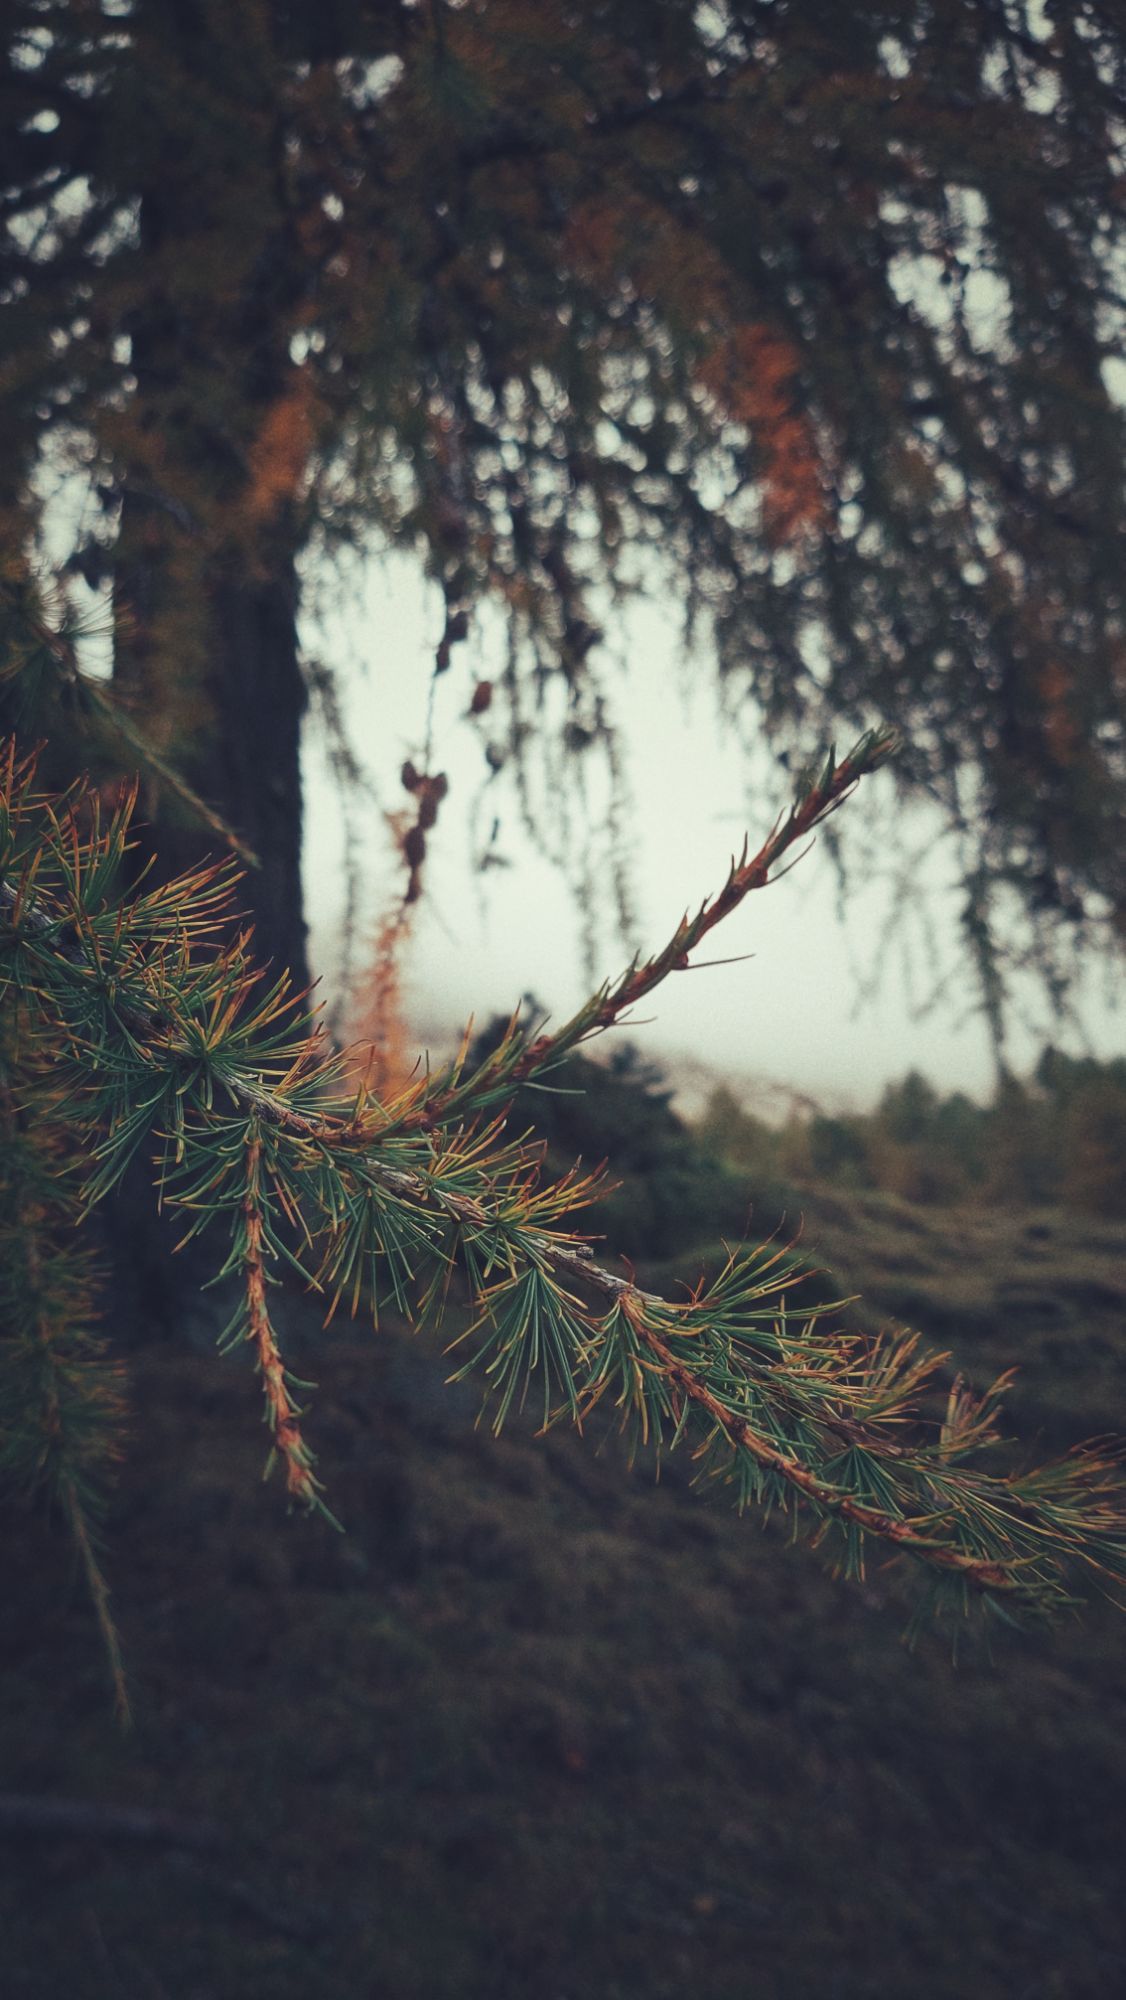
x=754, y=375
x=383, y=1061
x=379, y=1054
x=279, y=456
x=1060, y=731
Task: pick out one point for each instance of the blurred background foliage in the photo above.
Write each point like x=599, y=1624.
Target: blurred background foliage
x=1056, y=1138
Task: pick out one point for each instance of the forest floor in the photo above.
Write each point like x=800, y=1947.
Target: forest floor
x=532, y=1726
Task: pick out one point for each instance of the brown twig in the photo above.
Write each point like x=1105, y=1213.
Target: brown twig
x=746, y=875
x=281, y=1412
x=887, y=1527
x=99, y=1595
x=823, y=796
x=102, y=700
x=633, y=1301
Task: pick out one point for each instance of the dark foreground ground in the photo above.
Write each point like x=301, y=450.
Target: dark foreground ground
x=535, y=1728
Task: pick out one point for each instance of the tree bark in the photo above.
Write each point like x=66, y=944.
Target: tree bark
x=211, y=455
x=243, y=756
x=225, y=704
x=258, y=774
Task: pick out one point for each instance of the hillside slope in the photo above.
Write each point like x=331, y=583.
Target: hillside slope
x=535, y=1726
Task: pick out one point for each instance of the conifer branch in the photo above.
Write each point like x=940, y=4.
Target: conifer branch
x=61, y=1406
x=163, y=1034
x=821, y=792
x=41, y=648
x=282, y=1413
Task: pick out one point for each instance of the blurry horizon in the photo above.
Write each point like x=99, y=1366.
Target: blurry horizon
x=834, y=1010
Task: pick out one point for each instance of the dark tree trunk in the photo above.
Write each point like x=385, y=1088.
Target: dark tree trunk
x=245, y=759
x=206, y=648
x=215, y=671
x=258, y=776
x=211, y=459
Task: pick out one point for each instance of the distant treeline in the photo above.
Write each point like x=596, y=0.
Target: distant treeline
x=1057, y=1137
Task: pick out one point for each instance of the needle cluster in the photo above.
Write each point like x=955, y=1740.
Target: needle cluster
x=136, y=1022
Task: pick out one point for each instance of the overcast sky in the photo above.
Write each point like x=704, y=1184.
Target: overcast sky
x=794, y=1014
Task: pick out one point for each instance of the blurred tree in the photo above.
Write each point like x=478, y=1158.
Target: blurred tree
x=1062, y=1077
x=805, y=310
x=907, y=1110
x=1085, y=1105
x=837, y=1149
x=958, y=1131
x=738, y=1136
x=1094, y=1150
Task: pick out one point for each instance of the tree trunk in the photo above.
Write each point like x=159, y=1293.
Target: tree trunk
x=243, y=756
x=215, y=674
x=210, y=457
x=258, y=775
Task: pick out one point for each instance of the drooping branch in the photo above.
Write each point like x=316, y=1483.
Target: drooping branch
x=516, y=1061
x=39, y=643
x=61, y=1403
x=157, y=1033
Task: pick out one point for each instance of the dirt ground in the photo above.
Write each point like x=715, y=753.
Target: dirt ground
x=532, y=1726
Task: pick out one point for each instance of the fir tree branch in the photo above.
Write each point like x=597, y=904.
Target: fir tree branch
x=823, y=791
x=161, y=1034
x=282, y=1413
x=61, y=1408
x=41, y=645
